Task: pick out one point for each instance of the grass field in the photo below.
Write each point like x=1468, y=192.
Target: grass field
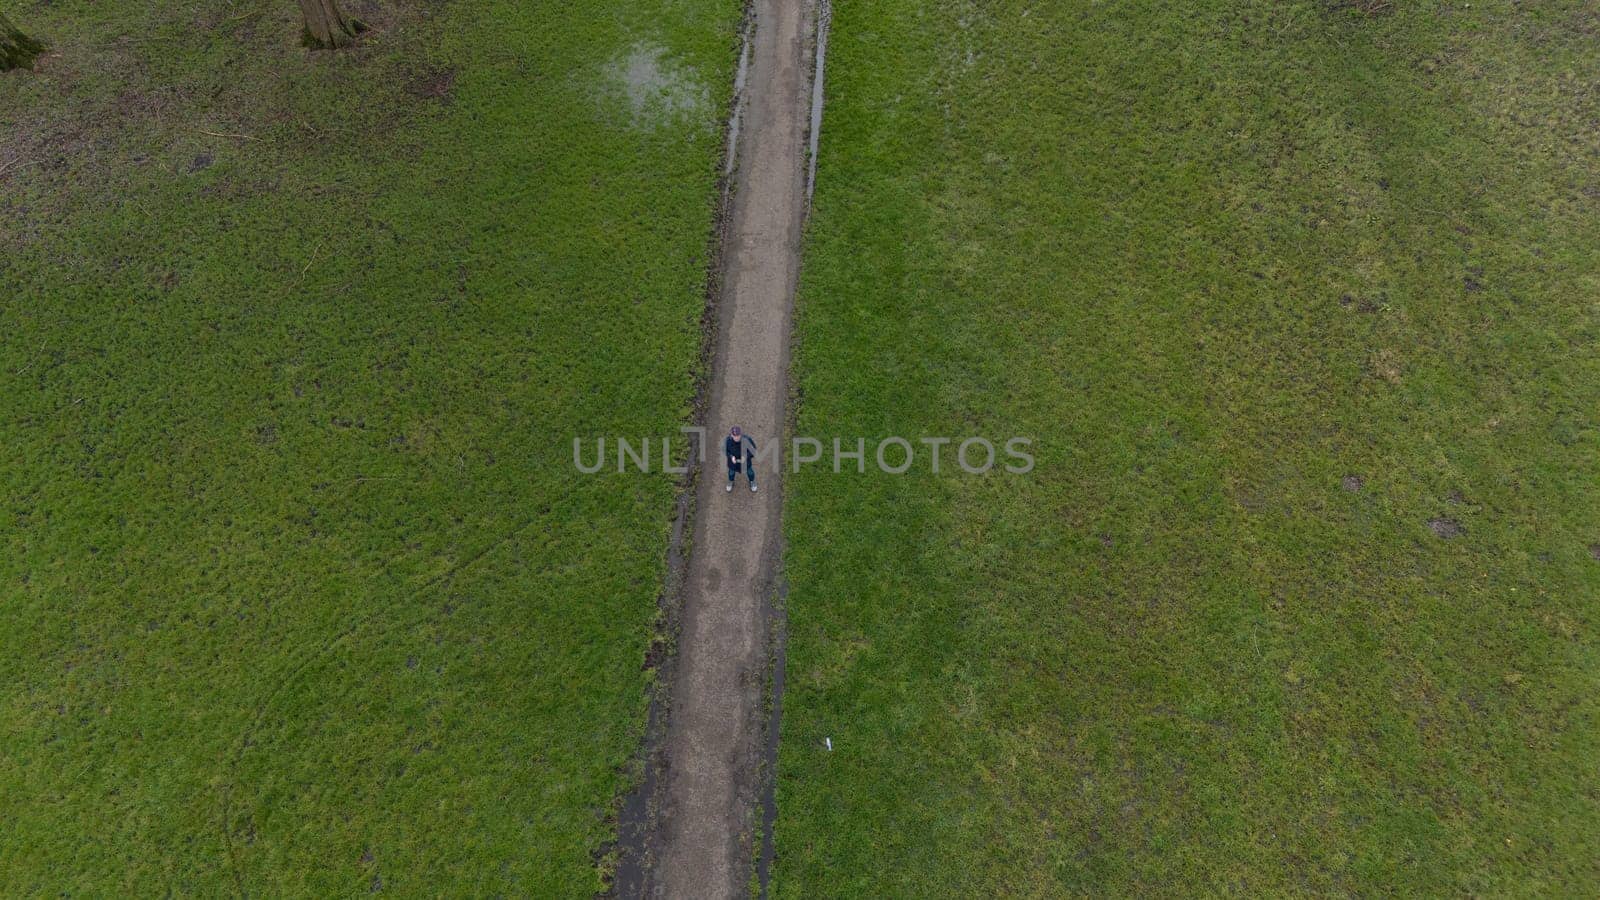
x=298, y=593
x=1299, y=306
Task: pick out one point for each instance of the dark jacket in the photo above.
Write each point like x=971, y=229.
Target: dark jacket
x=733, y=448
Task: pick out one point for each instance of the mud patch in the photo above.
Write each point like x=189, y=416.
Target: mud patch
x=1445, y=528
x=434, y=84
x=1359, y=304
x=1594, y=550
x=658, y=91
x=1352, y=483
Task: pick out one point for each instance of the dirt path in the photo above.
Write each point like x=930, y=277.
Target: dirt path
x=705, y=821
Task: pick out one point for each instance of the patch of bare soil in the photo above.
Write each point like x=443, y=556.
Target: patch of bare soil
x=432, y=84
x=1359, y=304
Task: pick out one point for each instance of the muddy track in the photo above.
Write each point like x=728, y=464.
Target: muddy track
x=700, y=799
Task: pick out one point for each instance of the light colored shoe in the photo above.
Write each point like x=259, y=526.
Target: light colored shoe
x=730, y=485
x=752, y=487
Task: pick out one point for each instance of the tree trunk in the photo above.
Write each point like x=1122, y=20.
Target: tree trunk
x=326, y=26
x=17, y=50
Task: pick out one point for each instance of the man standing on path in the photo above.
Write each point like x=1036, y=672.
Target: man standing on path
x=734, y=449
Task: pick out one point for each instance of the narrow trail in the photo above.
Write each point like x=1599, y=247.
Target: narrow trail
x=702, y=833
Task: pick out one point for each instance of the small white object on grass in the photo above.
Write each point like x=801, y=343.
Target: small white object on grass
x=829, y=742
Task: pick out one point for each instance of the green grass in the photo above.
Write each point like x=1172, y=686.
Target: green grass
x=299, y=592
x=1213, y=258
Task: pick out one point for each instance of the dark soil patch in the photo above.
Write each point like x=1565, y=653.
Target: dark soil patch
x=1359, y=304
x=433, y=84
x=1594, y=550
x=1445, y=528
x=202, y=161
x=654, y=654
x=1352, y=483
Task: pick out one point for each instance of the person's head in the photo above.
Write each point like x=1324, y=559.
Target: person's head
x=735, y=432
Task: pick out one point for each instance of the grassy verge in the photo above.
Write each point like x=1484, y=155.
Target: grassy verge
x=1298, y=305
x=298, y=590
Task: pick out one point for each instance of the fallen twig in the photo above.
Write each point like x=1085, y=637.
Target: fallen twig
x=243, y=137
x=36, y=357
x=314, y=252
